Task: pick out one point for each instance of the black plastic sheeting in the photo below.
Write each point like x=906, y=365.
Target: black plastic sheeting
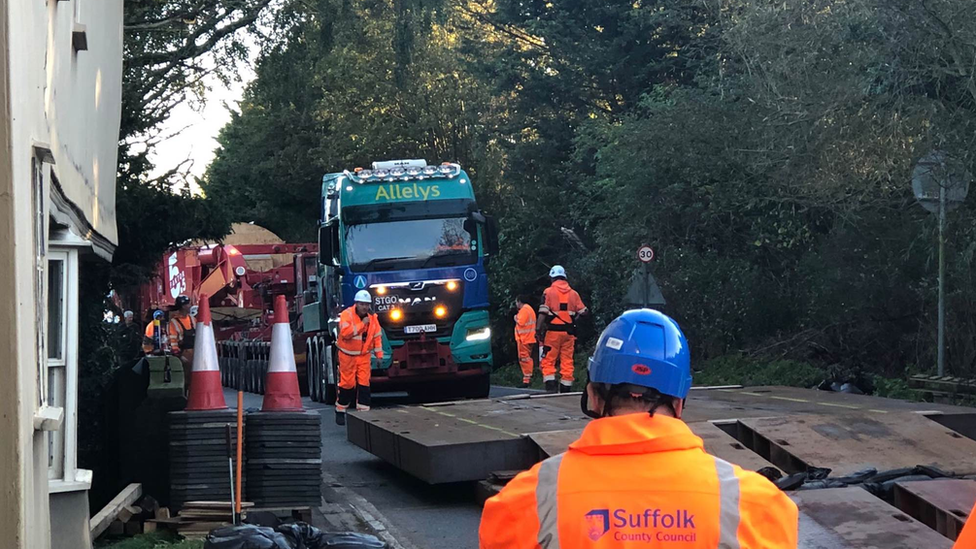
x=878, y=483
x=246, y=536
x=297, y=535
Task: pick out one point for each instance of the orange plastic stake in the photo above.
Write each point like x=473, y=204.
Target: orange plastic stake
x=240, y=450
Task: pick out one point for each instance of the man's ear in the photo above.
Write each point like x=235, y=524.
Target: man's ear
x=679, y=407
x=594, y=401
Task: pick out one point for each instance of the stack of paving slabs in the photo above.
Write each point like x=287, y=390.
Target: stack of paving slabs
x=198, y=468
x=284, y=458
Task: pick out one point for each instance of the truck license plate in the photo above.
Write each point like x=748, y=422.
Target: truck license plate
x=419, y=329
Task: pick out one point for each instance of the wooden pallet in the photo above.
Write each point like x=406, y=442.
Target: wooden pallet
x=198, y=518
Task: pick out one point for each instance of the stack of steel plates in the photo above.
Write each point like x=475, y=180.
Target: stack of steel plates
x=284, y=458
x=198, y=468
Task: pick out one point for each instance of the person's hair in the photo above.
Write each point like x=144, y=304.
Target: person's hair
x=524, y=298
x=627, y=395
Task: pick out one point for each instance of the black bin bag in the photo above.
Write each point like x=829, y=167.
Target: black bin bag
x=246, y=536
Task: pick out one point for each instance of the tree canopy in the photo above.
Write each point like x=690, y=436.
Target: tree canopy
x=764, y=149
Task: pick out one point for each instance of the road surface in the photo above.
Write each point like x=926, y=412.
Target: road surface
x=422, y=516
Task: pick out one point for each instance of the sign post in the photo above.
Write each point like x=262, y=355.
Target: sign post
x=645, y=254
x=940, y=183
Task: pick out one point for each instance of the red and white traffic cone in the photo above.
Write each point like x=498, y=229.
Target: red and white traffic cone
x=281, y=392
x=206, y=392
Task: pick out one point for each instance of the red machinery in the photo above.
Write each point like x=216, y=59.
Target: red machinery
x=241, y=280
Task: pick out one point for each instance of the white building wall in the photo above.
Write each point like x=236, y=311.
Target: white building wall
x=59, y=124
x=70, y=102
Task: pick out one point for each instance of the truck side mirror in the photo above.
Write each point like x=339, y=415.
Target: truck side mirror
x=328, y=245
x=491, y=233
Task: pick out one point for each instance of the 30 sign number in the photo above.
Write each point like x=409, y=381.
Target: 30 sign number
x=645, y=254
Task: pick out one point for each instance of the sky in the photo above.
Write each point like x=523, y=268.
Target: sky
x=199, y=138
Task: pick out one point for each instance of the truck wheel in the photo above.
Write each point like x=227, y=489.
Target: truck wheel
x=479, y=387
x=320, y=364
x=311, y=366
x=333, y=366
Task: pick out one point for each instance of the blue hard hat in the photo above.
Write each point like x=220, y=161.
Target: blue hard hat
x=643, y=347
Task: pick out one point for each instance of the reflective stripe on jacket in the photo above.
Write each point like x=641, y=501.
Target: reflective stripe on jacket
x=638, y=481
x=562, y=303
x=355, y=339
x=177, y=326
x=525, y=325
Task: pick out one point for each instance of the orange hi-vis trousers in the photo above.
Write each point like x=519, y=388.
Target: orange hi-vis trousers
x=354, y=372
x=526, y=360
x=558, y=345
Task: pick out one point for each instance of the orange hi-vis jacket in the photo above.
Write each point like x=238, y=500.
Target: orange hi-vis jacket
x=525, y=326
x=967, y=538
x=351, y=341
x=148, y=339
x=178, y=325
x=563, y=303
x=638, y=481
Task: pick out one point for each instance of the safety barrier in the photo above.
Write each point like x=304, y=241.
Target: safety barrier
x=244, y=364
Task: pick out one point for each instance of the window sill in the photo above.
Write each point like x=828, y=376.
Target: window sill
x=48, y=418
x=81, y=483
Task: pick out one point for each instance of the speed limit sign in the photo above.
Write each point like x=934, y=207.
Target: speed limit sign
x=645, y=254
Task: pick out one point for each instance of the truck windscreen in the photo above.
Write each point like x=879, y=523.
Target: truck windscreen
x=409, y=244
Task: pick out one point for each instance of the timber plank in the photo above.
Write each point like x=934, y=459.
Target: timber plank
x=101, y=521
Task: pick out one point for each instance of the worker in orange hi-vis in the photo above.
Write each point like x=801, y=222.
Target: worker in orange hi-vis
x=561, y=306
x=638, y=476
x=150, y=343
x=359, y=341
x=182, y=330
x=525, y=338
x=967, y=538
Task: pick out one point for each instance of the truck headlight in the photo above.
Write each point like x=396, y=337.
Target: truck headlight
x=478, y=334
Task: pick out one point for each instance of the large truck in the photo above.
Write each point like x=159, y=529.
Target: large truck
x=411, y=234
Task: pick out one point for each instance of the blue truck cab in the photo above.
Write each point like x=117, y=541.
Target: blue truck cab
x=411, y=234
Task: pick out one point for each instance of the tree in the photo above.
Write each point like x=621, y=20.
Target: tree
x=765, y=149
x=169, y=47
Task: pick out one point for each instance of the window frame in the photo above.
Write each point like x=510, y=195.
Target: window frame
x=71, y=478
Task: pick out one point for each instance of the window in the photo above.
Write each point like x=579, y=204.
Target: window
x=38, y=171
x=55, y=309
x=61, y=342
x=432, y=243
x=56, y=363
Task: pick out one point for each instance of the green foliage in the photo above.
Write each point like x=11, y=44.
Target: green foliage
x=154, y=540
x=894, y=388
x=764, y=150
x=740, y=370
x=169, y=46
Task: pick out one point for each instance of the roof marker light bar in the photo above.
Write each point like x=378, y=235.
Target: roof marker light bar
x=403, y=170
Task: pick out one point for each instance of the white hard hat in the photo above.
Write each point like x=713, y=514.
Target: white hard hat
x=362, y=296
x=557, y=270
